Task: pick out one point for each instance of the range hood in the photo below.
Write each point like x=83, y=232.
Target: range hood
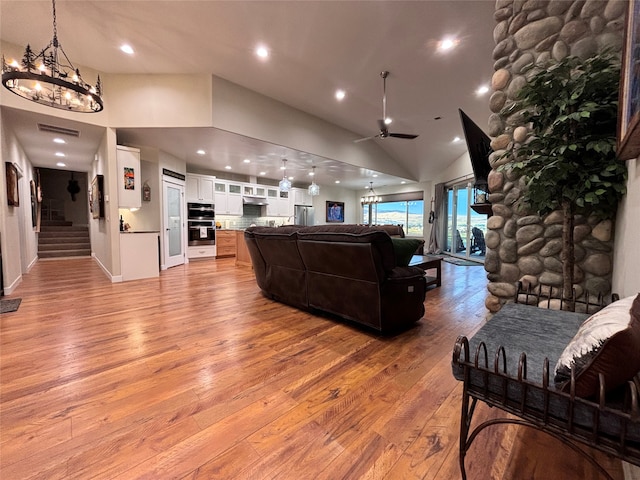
x=248, y=200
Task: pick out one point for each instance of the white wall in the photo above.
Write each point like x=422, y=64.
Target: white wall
x=336, y=194
x=237, y=109
x=148, y=218
x=17, y=235
x=626, y=261
x=158, y=100
x=99, y=227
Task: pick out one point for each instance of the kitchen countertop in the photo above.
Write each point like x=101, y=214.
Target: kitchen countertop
x=141, y=231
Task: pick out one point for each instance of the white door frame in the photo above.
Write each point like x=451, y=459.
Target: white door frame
x=179, y=259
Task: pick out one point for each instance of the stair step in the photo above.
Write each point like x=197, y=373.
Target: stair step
x=64, y=246
x=63, y=237
x=63, y=228
x=58, y=223
x=65, y=253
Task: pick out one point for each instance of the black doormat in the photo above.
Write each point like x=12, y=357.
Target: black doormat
x=463, y=262
x=9, y=305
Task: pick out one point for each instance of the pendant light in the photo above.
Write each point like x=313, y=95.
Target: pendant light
x=314, y=189
x=285, y=183
x=49, y=78
x=370, y=197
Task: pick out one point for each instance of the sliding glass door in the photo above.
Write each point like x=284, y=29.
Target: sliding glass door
x=465, y=227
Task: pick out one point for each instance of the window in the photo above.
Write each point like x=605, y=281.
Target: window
x=408, y=213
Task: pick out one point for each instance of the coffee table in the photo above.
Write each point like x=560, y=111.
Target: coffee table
x=427, y=262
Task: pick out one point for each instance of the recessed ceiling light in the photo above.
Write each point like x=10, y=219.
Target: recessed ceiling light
x=246, y=160
x=262, y=52
x=290, y=178
x=456, y=140
x=60, y=164
x=482, y=90
x=263, y=173
x=200, y=152
x=228, y=167
x=402, y=182
x=375, y=175
x=127, y=49
x=59, y=140
x=447, y=44
x=340, y=94
x=59, y=154
x=337, y=181
x=388, y=120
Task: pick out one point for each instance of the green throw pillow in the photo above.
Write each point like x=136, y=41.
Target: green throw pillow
x=404, y=249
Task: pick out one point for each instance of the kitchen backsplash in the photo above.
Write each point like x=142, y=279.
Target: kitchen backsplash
x=252, y=216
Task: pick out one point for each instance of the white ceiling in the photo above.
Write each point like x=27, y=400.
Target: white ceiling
x=316, y=47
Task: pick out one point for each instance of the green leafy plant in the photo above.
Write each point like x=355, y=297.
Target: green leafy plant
x=569, y=160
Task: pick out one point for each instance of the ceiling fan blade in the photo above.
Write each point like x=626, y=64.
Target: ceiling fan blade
x=407, y=136
x=366, y=138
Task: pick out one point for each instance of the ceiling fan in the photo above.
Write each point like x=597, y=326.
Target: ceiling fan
x=382, y=124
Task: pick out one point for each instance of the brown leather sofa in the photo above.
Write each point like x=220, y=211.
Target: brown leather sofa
x=346, y=270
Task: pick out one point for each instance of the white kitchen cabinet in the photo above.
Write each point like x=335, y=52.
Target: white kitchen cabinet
x=272, y=199
x=202, y=251
x=220, y=203
x=234, y=200
x=285, y=208
x=200, y=188
x=129, y=177
x=139, y=255
x=228, y=198
x=301, y=196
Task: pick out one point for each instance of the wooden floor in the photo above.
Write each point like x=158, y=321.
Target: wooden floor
x=196, y=375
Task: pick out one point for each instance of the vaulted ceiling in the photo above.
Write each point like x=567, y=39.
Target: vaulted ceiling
x=316, y=47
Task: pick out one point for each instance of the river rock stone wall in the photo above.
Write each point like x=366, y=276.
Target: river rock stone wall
x=522, y=246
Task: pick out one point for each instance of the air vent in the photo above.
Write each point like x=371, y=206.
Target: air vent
x=43, y=127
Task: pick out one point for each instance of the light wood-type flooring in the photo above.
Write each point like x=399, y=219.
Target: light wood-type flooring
x=196, y=375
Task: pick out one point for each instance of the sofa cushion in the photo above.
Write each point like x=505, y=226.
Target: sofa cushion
x=405, y=248
x=608, y=342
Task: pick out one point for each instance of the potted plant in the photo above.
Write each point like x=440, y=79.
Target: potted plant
x=569, y=160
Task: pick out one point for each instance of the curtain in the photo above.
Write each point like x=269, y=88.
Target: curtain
x=436, y=238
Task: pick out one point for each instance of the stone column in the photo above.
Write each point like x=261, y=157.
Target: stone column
x=521, y=245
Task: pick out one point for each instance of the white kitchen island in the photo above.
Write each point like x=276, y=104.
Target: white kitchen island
x=139, y=255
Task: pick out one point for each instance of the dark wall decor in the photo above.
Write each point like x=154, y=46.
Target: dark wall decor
x=13, y=197
x=629, y=111
x=96, y=202
x=335, y=212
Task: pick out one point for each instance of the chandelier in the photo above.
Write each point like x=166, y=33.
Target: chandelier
x=49, y=78
x=313, y=189
x=370, y=197
x=285, y=183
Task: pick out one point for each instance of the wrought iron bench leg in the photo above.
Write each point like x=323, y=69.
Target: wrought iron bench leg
x=465, y=425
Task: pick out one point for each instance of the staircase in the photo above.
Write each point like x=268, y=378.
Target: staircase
x=59, y=238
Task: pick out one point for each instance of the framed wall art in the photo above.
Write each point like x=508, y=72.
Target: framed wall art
x=96, y=201
x=335, y=212
x=629, y=100
x=13, y=196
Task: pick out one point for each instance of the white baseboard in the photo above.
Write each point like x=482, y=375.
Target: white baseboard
x=113, y=278
x=8, y=289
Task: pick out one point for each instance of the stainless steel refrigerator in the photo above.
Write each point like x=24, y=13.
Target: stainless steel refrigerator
x=303, y=215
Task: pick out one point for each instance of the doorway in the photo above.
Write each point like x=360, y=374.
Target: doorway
x=465, y=228
x=173, y=219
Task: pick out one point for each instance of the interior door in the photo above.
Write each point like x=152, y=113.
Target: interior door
x=174, y=224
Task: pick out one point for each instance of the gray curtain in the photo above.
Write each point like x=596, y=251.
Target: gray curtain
x=436, y=238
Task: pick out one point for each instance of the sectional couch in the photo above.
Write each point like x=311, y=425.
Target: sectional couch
x=346, y=270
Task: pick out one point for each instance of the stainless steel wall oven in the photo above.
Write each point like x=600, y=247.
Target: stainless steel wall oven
x=201, y=224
